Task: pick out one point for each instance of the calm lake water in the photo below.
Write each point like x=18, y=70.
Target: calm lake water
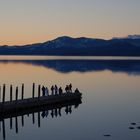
x=110, y=103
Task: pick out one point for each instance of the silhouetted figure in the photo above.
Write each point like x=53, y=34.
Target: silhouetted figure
x=46, y=91
x=43, y=91
x=77, y=90
x=60, y=91
x=70, y=88
x=52, y=89
x=67, y=88
x=56, y=89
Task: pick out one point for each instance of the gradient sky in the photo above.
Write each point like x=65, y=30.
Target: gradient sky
x=32, y=21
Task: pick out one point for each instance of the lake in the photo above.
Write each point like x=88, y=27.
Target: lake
x=110, y=100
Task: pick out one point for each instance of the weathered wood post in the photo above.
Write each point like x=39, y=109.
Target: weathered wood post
x=16, y=93
x=11, y=90
x=0, y=93
x=3, y=100
x=39, y=88
x=33, y=93
x=22, y=92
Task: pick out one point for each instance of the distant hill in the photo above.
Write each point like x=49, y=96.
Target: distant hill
x=128, y=46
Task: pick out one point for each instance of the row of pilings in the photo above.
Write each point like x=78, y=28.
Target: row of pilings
x=17, y=92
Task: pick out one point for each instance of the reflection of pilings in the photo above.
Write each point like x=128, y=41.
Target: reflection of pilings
x=38, y=119
x=11, y=89
x=3, y=128
x=11, y=123
x=3, y=99
x=39, y=88
x=16, y=124
x=33, y=118
x=33, y=92
x=22, y=92
x=22, y=120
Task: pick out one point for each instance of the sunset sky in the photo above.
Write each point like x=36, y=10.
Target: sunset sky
x=33, y=21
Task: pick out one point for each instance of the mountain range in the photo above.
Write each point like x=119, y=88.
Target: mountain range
x=125, y=46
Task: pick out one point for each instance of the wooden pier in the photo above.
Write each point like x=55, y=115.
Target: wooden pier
x=18, y=105
x=21, y=106
x=33, y=102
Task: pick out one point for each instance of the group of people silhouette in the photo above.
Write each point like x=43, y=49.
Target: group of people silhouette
x=57, y=91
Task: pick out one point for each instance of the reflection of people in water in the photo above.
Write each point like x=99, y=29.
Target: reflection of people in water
x=52, y=113
x=43, y=91
x=45, y=114
x=68, y=109
x=56, y=112
x=59, y=111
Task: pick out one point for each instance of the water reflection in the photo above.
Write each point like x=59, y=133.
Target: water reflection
x=66, y=66
x=39, y=112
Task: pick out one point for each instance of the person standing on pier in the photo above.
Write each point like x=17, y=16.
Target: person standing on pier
x=60, y=91
x=43, y=91
x=70, y=88
x=67, y=88
x=46, y=91
x=77, y=90
x=56, y=89
x=52, y=89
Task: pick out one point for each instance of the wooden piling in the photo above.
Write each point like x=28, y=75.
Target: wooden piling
x=16, y=93
x=39, y=88
x=0, y=93
x=3, y=100
x=33, y=92
x=11, y=90
x=22, y=92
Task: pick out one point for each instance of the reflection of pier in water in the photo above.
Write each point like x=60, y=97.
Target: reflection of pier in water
x=41, y=112
x=51, y=105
